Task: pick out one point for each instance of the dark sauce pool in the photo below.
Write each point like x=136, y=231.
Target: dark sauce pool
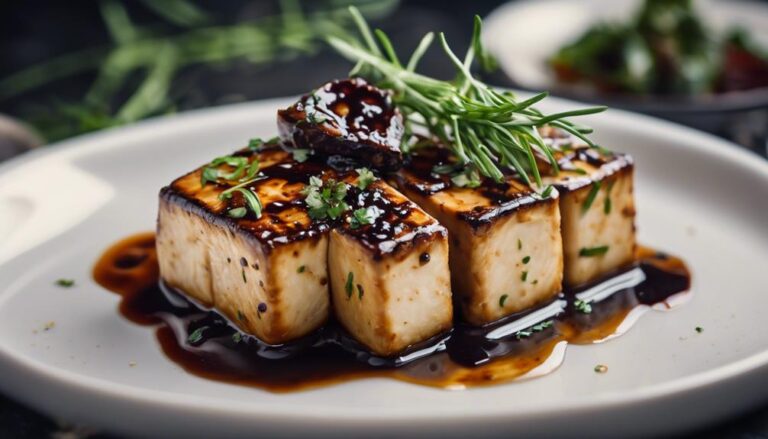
x=526, y=344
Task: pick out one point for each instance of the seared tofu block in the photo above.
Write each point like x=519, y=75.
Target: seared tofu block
x=267, y=275
x=597, y=208
x=506, y=253
x=349, y=120
x=389, y=271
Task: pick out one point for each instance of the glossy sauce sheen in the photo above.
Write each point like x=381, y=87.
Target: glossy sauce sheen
x=204, y=344
x=346, y=119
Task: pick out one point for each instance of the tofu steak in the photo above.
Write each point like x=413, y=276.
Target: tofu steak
x=597, y=208
x=390, y=277
x=269, y=275
x=506, y=253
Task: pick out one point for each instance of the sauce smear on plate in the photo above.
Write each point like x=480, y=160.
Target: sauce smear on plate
x=522, y=345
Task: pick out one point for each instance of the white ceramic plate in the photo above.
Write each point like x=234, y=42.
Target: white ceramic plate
x=524, y=34
x=698, y=197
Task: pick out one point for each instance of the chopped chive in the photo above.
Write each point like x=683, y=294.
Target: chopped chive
x=519, y=244
x=365, y=178
x=590, y=197
x=580, y=171
x=524, y=276
x=593, y=251
x=523, y=334
x=360, y=292
x=526, y=259
x=237, y=337
x=535, y=281
x=240, y=316
x=300, y=155
x=242, y=271
x=196, y=335
x=65, y=283
x=547, y=192
x=301, y=269
x=255, y=143
x=237, y=212
x=607, y=204
x=503, y=300
x=349, y=286
x=601, y=368
x=699, y=329
x=582, y=306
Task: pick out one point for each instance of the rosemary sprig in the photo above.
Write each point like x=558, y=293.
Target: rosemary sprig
x=488, y=130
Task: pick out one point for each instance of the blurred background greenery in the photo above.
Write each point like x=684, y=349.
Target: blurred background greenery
x=73, y=67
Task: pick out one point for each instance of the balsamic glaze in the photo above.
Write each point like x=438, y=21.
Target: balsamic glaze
x=204, y=344
x=346, y=119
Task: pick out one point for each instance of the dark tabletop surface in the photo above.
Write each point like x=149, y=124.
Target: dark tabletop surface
x=31, y=32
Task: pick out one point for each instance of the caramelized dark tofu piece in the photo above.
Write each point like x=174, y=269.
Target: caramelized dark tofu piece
x=348, y=120
x=505, y=246
x=267, y=275
x=271, y=276
x=390, y=277
x=597, y=207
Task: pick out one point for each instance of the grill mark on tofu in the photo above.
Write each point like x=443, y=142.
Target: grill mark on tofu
x=488, y=203
x=399, y=227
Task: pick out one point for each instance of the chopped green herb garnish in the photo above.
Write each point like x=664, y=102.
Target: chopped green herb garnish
x=240, y=316
x=242, y=271
x=607, y=204
x=526, y=259
x=243, y=169
x=534, y=329
x=593, y=251
x=360, y=292
x=601, y=368
x=580, y=171
x=535, y=281
x=237, y=337
x=519, y=244
x=237, y=212
x=65, y=283
x=363, y=217
x=365, y=178
x=699, y=329
x=547, y=192
x=300, y=155
x=252, y=200
x=582, y=306
x=470, y=178
x=257, y=142
x=503, y=300
x=196, y=335
x=325, y=199
x=349, y=286
x=524, y=276
x=523, y=334
x=590, y=197
x=444, y=169
x=301, y=269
